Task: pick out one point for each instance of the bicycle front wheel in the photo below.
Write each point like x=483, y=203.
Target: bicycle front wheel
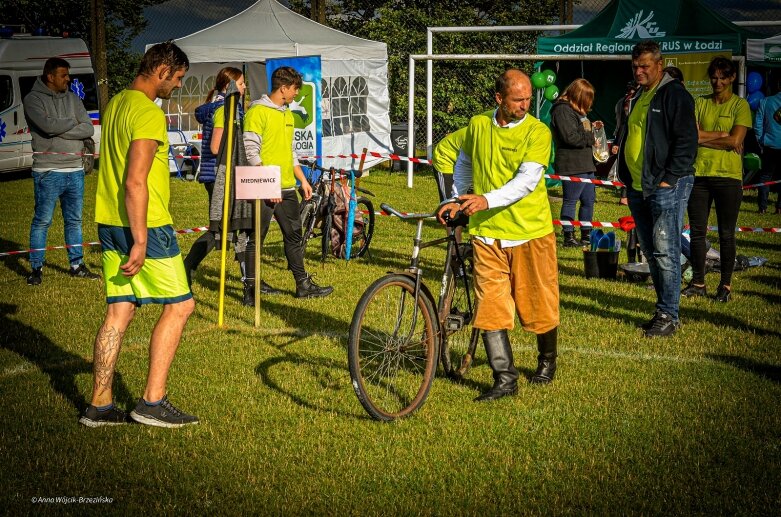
x=363, y=236
x=456, y=313
x=308, y=218
x=392, y=348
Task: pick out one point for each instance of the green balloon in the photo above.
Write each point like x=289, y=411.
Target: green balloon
x=550, y=76
x=538, y=80
x=551, y=92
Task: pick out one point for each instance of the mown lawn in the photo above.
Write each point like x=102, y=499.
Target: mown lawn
x=689, y=424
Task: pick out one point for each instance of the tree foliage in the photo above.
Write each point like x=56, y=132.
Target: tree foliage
x=124, y=21
x=461, y=88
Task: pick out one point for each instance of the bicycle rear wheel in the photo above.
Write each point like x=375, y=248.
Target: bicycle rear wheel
x=457, y=314
x=362, y=239
x=392, y=348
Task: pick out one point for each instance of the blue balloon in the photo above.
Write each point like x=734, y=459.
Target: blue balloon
x=754, y=98
x=753, y=82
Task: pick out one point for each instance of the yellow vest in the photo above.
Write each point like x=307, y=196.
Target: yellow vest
x=275, y=128
x=497, y=153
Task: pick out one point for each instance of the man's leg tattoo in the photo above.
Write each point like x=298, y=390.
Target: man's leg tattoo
x=107, y=344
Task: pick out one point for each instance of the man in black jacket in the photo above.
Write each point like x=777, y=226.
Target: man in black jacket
x=658, y=145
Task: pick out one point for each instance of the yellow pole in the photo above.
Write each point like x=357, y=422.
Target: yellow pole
x=231, y=107
x=258, y=247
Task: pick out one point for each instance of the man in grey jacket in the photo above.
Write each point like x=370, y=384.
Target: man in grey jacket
x=59, y=124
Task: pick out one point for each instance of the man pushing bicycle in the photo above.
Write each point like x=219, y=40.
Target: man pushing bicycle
x=503, y=158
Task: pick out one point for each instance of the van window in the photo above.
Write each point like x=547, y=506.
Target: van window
x=6, y=92
x=82, y=85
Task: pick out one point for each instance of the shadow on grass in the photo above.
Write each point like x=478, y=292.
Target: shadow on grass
x=59, y=365
x=768, y=371
x=263, y=371
x=607, y=300
x=18, y=263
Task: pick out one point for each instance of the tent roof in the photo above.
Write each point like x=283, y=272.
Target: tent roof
x=764, y=51
x=266, y=30
x=678, y=25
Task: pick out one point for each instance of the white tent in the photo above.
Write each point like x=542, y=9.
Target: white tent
x=355, y=73
x=764, y=51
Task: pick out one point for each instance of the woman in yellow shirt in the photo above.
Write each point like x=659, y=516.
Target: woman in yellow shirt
x=723, y=119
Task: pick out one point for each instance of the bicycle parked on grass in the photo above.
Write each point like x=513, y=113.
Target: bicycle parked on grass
x=399, y=331
x=325, y=214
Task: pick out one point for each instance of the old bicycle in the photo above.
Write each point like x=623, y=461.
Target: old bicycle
x=321, y=215
x=399, y=331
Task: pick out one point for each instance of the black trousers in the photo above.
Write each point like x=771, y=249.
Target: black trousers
x=287, y=215
x=726, y=194
x=205, y=243
x=771, y=171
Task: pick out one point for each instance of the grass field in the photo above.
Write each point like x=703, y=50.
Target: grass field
x=685, y=425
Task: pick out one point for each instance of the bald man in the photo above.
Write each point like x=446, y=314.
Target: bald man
x=503, y=158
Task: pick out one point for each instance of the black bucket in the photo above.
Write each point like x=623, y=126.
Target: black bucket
x=600, y=264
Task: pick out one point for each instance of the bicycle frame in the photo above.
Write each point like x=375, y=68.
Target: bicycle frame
x=416, y=272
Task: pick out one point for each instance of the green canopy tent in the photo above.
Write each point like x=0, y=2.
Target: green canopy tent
x=680, y=26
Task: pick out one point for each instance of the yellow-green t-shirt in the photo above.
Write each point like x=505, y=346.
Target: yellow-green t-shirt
x=447, y=150
x=720, y=117
x=275, y=128
x=129, y=116
x=635, y=139
x=496, y=154
x=218, y=119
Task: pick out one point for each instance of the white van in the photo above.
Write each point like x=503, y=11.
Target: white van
x=21, y=62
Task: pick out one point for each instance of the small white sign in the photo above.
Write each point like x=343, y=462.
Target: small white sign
x=260, y=182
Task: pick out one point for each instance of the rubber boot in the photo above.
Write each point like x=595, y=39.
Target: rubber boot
x=500, y=357
x=569, y=239
x=546, y=360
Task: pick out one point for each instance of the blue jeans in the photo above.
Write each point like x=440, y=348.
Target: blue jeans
x=50, y=186
x=574, y=192
x=659, y=221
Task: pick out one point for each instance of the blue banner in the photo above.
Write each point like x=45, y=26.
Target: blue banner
x=308, y=136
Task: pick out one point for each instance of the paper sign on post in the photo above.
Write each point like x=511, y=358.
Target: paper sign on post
x=259, y=182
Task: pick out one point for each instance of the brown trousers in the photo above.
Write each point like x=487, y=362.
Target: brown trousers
x=523, y=279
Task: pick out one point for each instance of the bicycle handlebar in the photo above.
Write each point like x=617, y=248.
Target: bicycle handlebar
x=389, y=209
x=313, y=165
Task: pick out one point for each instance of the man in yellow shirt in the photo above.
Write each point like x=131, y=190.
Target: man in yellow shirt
x=141, y=259
x=658, y=144
x=503, y=158
x=268, y=140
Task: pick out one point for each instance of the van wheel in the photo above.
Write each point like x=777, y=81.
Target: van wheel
x=88, y=161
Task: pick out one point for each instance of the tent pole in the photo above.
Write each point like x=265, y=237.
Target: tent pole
x=429, y=96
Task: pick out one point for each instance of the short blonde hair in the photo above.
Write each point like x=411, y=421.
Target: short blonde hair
x=580, y=95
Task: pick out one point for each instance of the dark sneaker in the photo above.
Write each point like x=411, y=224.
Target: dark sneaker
x=307, y=288
x=163, y=414
x=723, y=294
x=93, y=417
x=692, y=290
x=267, y=289
x=662, y=326
x=248, y=295
x=82, y=272
x=570, y=241
x=36, y=277
x=650, y=323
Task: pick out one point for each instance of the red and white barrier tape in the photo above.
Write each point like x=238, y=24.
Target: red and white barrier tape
x=397, y=157
x=85, y=244
x=577, y=224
